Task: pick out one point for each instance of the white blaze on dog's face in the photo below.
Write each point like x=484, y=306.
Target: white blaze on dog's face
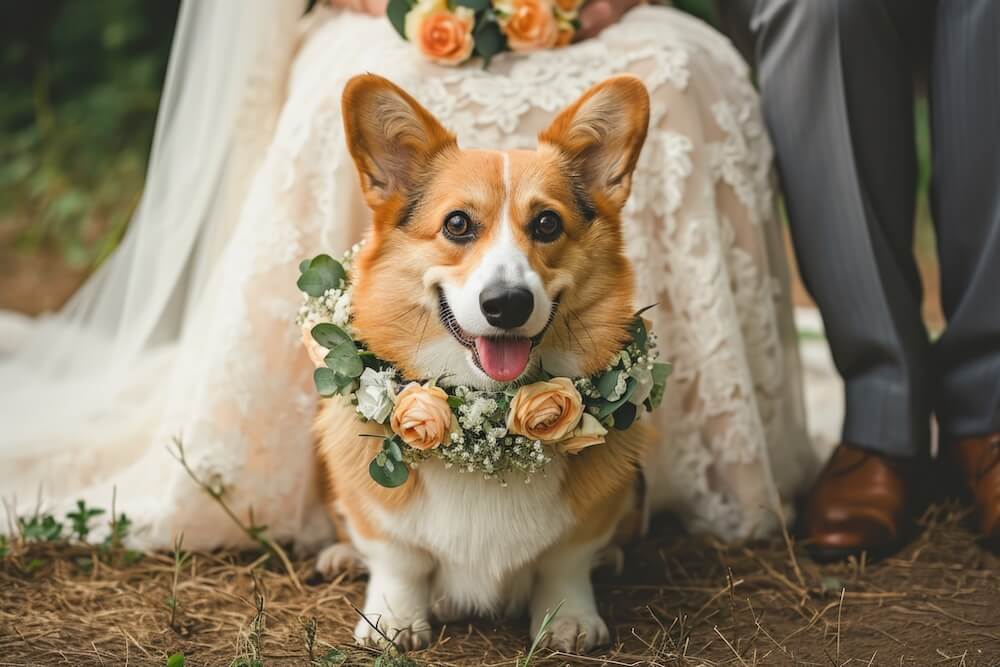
x=483, y=265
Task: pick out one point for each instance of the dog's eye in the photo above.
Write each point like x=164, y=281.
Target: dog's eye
x=547, y=226
x=458, y=227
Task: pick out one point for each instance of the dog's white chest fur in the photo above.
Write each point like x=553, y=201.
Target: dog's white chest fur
x=483, y=536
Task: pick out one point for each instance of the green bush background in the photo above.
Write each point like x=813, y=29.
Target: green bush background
x=80, y=86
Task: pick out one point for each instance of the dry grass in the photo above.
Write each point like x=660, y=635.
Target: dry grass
x=680, y=601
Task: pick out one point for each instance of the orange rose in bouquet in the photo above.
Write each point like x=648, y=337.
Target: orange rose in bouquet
x=449, y=32
x=530, y=25
x=441, y=35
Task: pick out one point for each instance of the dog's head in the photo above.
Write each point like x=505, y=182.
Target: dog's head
x=484, y=265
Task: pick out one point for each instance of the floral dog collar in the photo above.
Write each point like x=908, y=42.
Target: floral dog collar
x=495, y=433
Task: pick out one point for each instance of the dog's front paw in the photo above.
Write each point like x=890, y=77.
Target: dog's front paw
x=339, y=558
x=407, y=634
x=573, y=633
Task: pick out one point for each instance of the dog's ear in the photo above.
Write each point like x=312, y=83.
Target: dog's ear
x=390, y=136
x=602, y=133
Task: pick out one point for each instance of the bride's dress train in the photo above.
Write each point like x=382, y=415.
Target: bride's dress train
x=226, y=375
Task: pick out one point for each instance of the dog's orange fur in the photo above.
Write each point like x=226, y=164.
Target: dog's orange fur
x=399, y=148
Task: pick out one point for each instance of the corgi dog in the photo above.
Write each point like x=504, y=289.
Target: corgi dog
x=481, y=268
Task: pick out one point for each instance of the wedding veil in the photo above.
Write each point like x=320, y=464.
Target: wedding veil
x=84, y=385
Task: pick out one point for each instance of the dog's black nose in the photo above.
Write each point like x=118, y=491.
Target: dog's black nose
x=506, y=307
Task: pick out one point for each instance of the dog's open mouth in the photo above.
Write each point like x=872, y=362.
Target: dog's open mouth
x=503, y=358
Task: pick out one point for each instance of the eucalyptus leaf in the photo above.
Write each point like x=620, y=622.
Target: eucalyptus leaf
x=455, y=402
x=324, y=273
x=489, y=39
x=329, y=335
x=304, y=265
x=661, y=371
x=625, y=415
x=397, y=11
x=392, y=449
x=344, y=360
x=608, y=382
x=329, y=382
x=386, y=474
x=331, y=269
x=312, y=283
x=347, y=385
x=474, y=5
x=609, y=407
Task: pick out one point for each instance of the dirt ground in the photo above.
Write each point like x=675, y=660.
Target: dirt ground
x=679, y=601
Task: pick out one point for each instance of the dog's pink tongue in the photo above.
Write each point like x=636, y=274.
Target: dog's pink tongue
x=503, y=359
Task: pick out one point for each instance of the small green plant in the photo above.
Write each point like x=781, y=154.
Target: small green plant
x=180, y=561
x=176, y=660
x=80, y=519
x=309, y=634
x=543, y=629
x=251, y=643
x=40, y=528
x=34, y=565
x=120, y=526
x=131, y=556
x=43, y=527
x=332, y=658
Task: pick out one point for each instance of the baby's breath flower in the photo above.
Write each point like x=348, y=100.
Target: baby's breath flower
x=479, y=442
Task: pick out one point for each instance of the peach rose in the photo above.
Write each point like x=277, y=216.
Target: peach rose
x=530, y=25
x=590, y=432
x=442, y=36
x=422, y=417
x=546, y=411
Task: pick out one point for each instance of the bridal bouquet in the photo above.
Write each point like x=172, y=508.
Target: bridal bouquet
x=449, y=32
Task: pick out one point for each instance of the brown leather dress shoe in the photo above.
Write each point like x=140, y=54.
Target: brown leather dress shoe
x=862, y=501
x=977, y=462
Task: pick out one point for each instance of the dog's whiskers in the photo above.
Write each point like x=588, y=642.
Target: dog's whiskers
x=425, y=316
x=585, y=330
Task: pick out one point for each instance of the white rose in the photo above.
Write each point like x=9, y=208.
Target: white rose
x=375, y=395
x=643, y=382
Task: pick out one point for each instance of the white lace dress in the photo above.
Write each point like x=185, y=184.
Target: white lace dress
x=702, y=230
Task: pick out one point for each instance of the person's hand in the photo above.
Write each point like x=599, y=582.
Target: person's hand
x=373, y=7
x=597, y=15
